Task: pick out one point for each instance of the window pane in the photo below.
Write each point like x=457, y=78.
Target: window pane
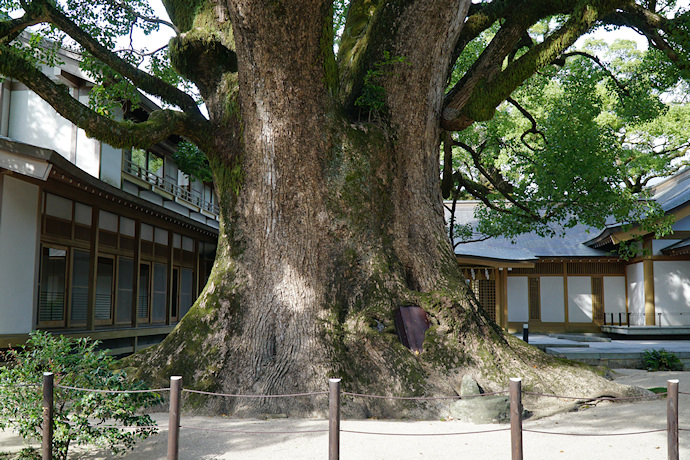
x=104, y=289
x=138, y=157
x=144, y=283
x=160, y=289
x=127, y=226
x=155, y=164
x=125, y=286
x=161, y=236
x=186, y=284
x=107, y=221
x=146, y=232
x=82, y=214
x=80, y=287
x=175, y=293
x=58, y=207
x=51, y=304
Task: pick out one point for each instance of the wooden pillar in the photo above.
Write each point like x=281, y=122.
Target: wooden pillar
x=171, y=255
x=648, y=268
x=93, y=267
x=137, y=262
x=504, y=297
x=498, y=295
x=566, y=320
x=197, y=265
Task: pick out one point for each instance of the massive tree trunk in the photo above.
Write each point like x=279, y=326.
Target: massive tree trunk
x=332, y=219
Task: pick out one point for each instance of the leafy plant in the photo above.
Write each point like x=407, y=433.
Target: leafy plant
x=110, y=420
x=373, y=97
x=658, y=390
x=661, y=360
x=192, y=161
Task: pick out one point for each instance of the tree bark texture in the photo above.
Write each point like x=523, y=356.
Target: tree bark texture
x=330, y=222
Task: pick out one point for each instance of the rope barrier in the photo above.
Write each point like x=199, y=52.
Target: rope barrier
x=592, y=435
x=217, y=430
x=425, y=434
x=421, y=398
x=22, y=385
x=153, y=390
x=590, y=398
x=123, y=427
x=229, y=395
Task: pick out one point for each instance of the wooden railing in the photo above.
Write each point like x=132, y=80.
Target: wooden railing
x=178, y=191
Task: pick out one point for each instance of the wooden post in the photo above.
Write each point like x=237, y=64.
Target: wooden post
x=174, y=420
x=672, y=418
x=47, y=442
x=516, y=418
x=333, y=419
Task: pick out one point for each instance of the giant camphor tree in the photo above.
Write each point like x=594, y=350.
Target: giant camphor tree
x=327, y=171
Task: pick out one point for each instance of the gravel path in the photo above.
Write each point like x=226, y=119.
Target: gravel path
x=610, y=419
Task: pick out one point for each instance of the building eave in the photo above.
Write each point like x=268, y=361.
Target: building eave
x=63, y=169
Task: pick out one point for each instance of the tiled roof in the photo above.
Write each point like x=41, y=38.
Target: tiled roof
x=528, y=246
x=671, y=193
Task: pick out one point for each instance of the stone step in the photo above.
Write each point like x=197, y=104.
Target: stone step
x=614, y=358
x=582, y=337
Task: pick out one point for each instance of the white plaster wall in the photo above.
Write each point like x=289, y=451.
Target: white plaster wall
x=111, y=165
x=35, y=122
x=672, y=292
x=518, y=303
x=579, y=299
x=88, y=149
x=552, y=297
x=635, y=274
x=614, y=297
x=19, y=226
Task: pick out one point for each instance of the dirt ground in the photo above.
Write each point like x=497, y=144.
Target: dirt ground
x=599, y=432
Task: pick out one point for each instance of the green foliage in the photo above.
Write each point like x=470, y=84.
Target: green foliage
x=593, y=144
x=661, y=360
x=79, y=417
x=192, y=161
x=373, y=97
x=340, y=8
x=658, y=390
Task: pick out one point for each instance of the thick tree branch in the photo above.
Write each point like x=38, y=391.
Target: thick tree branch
x=160, y=125
x=486, y=67
x=498, y=183
x=146, y=82
x=479, y=102
x=649, y=23
x=533, y=129
x=144, y=18
x=9, y=30
x=620, y=85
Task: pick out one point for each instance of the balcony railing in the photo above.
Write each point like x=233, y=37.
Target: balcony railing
x=178, y=191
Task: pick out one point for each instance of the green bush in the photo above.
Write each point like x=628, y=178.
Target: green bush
x=661, y=360
x=79, y=417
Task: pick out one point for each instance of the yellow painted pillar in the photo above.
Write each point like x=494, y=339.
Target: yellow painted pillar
x=648, y=267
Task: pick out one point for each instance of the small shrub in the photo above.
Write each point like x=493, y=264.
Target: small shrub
x=79, y=417
x=661, y=360
x=658, y=390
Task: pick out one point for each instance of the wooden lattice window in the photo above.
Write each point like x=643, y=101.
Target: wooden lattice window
x=533, y=299
x=597, y=299
x=541, y=268
x=487, y=297
x=485, y=292
x=596, y=268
